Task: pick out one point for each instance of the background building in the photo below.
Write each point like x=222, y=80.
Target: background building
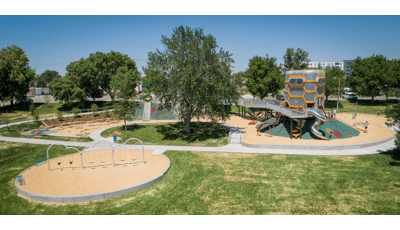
x=345, y=65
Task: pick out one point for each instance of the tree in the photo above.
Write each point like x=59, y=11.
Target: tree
x=84, y=76
x=393, y=119
x=94, y=108
x=264, y=77
x=295, y=60
x=76, y=111
x=6, y=120
x=369, y=75
x=332, y=77
x=44, y=79
x=108, y=65
x=47, y=98
x=32, y=109
x=15, y=73
x=192, y=75
x=62, y=89
x=124, y=84
x=59, y=114
x=394, y=77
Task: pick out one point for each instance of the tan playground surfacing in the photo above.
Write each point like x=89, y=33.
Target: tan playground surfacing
x=67, y=179
x=375, y=131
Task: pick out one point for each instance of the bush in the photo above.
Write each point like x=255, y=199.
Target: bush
x=59, y=115
x=32, y=109
x=106, y=113
x=36, y=116
x=94, y=108
x=76, y=111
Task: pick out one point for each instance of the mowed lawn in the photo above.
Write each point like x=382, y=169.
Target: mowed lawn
x=16, y=131
x=204, y=134
x=231, y=183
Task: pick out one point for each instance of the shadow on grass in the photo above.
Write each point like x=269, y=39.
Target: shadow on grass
x=22, y=107
x=199, y=132
x=395, y=155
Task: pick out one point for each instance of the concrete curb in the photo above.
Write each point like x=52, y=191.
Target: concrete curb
x=316, y=147
x=88, y=197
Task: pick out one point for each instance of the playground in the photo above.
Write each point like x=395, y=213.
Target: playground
x=97, y=169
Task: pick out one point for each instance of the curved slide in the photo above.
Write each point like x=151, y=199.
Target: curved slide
x=273, y=124
x=321, y=118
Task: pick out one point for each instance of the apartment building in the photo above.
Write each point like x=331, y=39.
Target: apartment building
x=345, y=65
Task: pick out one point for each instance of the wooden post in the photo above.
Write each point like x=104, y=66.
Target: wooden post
x=270, y=132
x=351, y=133
x=301, y=127
x=291, y=128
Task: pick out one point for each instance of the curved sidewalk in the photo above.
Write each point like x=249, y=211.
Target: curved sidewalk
x=238, y=148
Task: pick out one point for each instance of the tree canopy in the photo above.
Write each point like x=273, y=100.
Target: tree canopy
x=369, y=75
x=124, y=84
x=89, y=77
x=332, y=77
x=192, y=74
x=42, y=80
x=295, y=60
x=15, y=73
x=107, y=66
x=264, y=77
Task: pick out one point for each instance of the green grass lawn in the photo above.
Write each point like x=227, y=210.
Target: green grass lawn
x=167, y=134
x=21, y=111
x=231, y=183
x=363, y=106
x=16, y=130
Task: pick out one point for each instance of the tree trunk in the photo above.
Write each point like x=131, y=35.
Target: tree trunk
x=187, y=126
x=373, y=98
x=326, y=98
x=125, y=122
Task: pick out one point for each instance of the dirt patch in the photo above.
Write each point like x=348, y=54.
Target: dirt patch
x=244, y=179
x=6, y=145
x=151, y=192
x=13, y=169
x=279, y=157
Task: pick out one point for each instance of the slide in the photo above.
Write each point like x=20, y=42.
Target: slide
x=321, y=118
x=276, y=122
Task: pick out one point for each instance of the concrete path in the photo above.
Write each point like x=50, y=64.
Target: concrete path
x=233, y=146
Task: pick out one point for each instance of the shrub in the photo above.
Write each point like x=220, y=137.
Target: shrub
x=75, y=111
x=59, y=115
x=106, y=113
x=94, y=108
x=36, y=116
x=32, y=109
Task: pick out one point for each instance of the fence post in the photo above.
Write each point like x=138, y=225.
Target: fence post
x=270, y=132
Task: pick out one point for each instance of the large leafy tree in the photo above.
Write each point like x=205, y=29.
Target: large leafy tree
x=42, y=80
x=369, y=75
x=393, y=78
x=192, y=75
x=124, y=84
x=62, y=89
x=83, y=74
x=332, y=77
x=15, y=73
x=295, y=60
x=107, y=66
x=264, y=77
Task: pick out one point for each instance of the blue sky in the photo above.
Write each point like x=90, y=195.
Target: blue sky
x=52, y=42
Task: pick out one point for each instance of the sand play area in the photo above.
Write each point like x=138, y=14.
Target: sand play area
x=375, y=131
x=98, y=175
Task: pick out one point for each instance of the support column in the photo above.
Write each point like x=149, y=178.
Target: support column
x=301, y=128
x=291, y=128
